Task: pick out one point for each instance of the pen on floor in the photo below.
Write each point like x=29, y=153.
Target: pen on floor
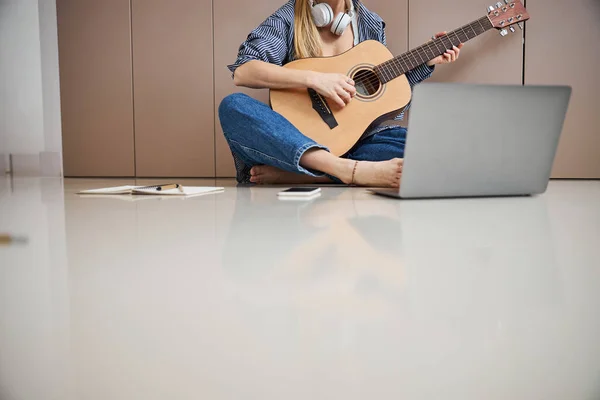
x=171, y=186
x=6, y=239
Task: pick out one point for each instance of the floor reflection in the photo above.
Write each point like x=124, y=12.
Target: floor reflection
x=239, y=295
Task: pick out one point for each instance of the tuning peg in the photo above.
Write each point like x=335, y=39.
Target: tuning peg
x=490, y=9
x=512, y=29
x=506, y=1
x=498, y=5
x=520, y=25
x=503, y=32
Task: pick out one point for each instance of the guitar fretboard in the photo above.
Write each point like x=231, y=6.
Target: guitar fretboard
x=403, y=63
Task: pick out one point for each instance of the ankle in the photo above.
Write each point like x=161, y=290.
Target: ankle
x=345, y=170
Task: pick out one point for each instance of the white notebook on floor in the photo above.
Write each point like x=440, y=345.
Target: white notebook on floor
x=155, y=190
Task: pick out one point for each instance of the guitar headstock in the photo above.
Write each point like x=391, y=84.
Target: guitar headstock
x=505, y=15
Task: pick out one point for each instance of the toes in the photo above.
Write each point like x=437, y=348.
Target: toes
x=256, y=170
x=256, y=177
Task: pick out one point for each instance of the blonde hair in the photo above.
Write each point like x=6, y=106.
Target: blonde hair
x=307, y=41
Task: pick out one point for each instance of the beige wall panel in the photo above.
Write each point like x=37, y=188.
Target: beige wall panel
x=489, y=58
x=395, y=15
x=96, y=88
x=553, y=57
x=234, y=20
x=173, y=88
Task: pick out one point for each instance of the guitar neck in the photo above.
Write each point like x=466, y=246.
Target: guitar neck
x=403, y=63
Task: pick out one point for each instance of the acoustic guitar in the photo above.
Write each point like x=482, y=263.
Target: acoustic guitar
x=382, y=90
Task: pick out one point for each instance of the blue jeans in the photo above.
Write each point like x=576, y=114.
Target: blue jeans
x=257, y=135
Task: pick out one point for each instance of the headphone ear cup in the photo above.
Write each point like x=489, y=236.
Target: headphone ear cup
x=340, y=23
x=322, y=14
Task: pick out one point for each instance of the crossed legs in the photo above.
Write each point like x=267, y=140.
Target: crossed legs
x=268, y=149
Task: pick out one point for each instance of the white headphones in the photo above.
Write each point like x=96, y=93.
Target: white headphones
x=323, y=15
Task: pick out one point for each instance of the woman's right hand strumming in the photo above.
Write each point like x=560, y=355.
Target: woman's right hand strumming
x=337, y=87
x=258, y=74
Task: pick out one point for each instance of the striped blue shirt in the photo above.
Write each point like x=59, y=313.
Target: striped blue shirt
x=273, y=42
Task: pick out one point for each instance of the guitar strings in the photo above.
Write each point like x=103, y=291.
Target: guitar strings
x=462, y=34
x=476, y=27
x=394, y=65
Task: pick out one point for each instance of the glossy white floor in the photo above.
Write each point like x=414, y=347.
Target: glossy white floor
x=240, y=295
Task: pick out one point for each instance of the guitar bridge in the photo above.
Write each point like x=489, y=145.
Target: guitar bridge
x=320, y=105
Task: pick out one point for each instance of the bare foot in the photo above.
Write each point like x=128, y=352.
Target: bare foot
x=265, y=174
x=378, y=174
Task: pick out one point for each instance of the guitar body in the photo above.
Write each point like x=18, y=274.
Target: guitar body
x=340, y=128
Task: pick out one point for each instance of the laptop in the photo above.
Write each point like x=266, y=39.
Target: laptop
x=471, y=140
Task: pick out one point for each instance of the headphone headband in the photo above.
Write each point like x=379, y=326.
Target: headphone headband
x=350, y=12
x=322, y=15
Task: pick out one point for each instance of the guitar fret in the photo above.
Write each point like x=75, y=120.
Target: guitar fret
x=470, y=29
x=419, y=54
x=446, y=47
x=395, y=70
x=436, y=46
x=387, y=75
x=482, y=27
x=426, y=54
x=466, y=31
x=405, y=67
x=384, y=74
x=428, y=46
x=459, y=39
x=387, y=70
x=398, y=66
x=458, y=36
x=415, y=60
x=402, y=63
x=381, y=72
x=487, y=22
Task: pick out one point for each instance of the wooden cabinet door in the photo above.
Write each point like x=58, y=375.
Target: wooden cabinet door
x=173, y=88
x=563, y=50
x=96, y=87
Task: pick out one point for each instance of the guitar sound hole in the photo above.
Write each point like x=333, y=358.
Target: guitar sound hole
x=366, y=82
